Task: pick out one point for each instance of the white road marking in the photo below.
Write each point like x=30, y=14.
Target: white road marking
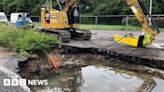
x=13, y=75
x=158, y=45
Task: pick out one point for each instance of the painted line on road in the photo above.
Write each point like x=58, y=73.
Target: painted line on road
x=13, y=75
x=158, y=45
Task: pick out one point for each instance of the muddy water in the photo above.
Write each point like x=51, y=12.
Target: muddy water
x=98, y=78
x=98, y=75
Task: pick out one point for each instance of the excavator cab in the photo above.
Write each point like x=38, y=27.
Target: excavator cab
x=73, y=12
x=59, y=14
x=149, y=28
x=73, y=15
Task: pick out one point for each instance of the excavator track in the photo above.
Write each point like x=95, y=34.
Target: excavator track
x=66, y=35
x=80, y=34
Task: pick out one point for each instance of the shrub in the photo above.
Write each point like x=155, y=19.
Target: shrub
x=25, y=40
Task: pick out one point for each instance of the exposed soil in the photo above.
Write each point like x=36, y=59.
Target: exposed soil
x=69, y=66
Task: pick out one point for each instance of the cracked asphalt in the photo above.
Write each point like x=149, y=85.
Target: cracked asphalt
x=9, y=61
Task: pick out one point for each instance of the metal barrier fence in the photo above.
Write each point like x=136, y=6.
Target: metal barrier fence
x=113, y=20
x=118, y=20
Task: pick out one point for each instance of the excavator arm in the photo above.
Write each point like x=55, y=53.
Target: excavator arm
x=149, y=28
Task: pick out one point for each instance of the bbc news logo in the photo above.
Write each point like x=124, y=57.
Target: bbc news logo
x=24, y=82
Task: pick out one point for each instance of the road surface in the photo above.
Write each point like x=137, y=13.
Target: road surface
x=8, y=70
x=104, y=40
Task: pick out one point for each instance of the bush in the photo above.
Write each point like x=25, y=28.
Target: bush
x=24, y=40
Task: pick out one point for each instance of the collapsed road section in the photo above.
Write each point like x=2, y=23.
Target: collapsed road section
x=91, y=73
x=8, y=72
x=103, y=44
x=73, y=70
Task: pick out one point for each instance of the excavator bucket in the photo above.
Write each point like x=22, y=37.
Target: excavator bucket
x=129, y=39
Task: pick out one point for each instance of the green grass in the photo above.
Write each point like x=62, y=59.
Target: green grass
x=107, y=27
x=24, y=40
x=161, y=29
x=112, y=27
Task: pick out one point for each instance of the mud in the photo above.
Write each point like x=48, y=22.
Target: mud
x=84, y=72
x=125, y=54
x=90, y=73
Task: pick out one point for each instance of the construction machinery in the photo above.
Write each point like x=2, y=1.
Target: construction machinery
x=149, y=28
x=61, y=17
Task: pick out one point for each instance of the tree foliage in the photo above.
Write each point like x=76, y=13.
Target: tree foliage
x=31, y=6
x=111, y=7
x=92, y=7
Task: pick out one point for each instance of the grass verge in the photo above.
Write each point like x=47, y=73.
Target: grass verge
x=103, y=27
x=109, y=27
x=112, y=27
x=25, y=40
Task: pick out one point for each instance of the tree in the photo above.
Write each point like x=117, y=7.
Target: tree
x=89, y=7
x=31, y=6
x=111, y=7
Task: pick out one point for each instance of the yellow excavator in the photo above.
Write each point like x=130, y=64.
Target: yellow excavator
x=61, y=17
x=149, y=28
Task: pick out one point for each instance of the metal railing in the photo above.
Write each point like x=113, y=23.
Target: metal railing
x=112, y=20
x=118, y=20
